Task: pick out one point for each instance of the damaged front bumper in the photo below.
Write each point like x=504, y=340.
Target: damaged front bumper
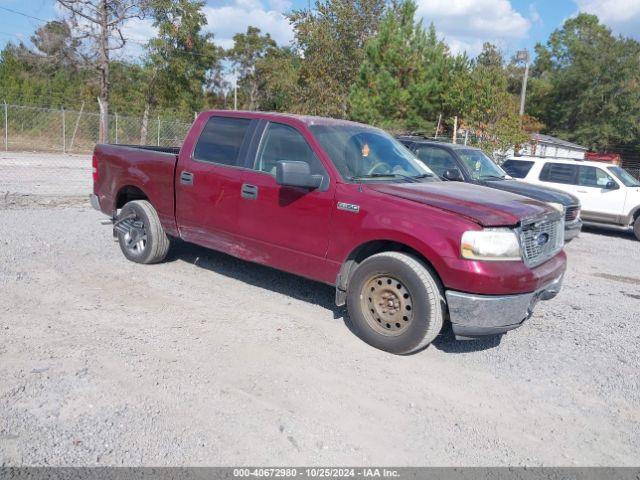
x=475, y=316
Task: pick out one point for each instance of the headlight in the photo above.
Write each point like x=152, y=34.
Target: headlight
x=557, y=206
x=491, y=244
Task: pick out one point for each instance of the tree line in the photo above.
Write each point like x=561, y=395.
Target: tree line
x=367, y=60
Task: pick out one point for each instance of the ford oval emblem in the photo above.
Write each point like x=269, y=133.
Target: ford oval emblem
x=542, y=239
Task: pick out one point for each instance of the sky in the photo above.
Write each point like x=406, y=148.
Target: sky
x=463, y=24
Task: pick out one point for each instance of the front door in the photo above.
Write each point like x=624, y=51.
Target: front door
x=285, y=227
x=437, y=159
x=208, y=183
x=600, y=203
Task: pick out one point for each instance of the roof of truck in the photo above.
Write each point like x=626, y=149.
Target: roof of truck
x=428, y=141
x=569, y=161
x=306, y=119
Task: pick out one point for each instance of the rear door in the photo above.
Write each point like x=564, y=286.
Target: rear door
x=563, y=176
x=208, y=180
x=285, y=227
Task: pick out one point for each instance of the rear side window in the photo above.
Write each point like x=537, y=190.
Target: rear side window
x=517, y=168
x=437, y=159
x=559, y=173
x=282, y=142
x=221, y=139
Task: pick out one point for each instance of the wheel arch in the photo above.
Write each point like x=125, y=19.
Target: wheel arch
x=366, y=250
x=127, y=194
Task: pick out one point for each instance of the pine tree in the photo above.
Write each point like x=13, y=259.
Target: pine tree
x=331, y=41
x=403, y=80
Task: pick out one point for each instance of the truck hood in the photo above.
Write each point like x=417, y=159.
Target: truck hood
x=537, y=192
x=485, y=206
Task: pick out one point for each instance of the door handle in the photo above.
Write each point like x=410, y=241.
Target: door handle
x=249, y=191
x=582, y=191
x=186, y=178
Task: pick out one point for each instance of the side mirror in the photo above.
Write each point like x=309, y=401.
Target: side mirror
x=296, y=174
x=611, y=185
x=453, y=175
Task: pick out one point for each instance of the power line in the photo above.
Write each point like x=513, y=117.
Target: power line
x=22, y=13
x=138, y=42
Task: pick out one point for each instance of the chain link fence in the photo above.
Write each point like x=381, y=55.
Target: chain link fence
x=46, y=152
x=69, y=131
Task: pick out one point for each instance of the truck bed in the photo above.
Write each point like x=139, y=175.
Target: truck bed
x=120, y=170
x=153, y=148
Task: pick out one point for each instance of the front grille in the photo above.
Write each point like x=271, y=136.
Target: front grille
x=541, y=239
x=571, y=213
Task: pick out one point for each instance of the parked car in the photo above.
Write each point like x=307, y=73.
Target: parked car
x=345, y=204
x=461, y=163
x=610, y=196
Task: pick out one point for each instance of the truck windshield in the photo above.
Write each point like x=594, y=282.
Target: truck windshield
x=625, y=177
x=366, y=153
x=480, y=166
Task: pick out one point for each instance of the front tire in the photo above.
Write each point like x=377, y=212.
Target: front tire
x=140, y=234
x=636, y=228
x=395, y=303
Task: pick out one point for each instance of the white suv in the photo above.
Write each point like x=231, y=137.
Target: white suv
x=609, y=194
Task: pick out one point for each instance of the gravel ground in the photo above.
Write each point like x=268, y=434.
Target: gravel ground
x=207, y=360
x=45, y=174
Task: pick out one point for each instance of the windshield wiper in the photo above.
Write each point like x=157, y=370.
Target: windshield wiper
x=422, y=175
x=414, y=178
x=487, y=177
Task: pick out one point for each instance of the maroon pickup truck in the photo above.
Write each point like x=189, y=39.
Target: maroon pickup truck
x=344, y=204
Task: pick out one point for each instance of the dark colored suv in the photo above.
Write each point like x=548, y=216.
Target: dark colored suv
x=461, y=163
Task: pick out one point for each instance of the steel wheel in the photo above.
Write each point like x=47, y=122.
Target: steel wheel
x=387, y=305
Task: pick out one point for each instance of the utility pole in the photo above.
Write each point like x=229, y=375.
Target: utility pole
x=64, y=132
x=6, y=127
x=523, y=56
x=455, y=130
x=235, y=90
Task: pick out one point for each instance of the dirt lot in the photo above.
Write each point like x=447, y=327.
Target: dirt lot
x=45, y=174
x=209, y=360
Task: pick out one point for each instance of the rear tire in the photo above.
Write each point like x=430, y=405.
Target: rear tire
x=145, y=240
x=395, y=303
x=636, y=227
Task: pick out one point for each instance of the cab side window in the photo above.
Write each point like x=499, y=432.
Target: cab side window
x=559, y=173
x=221, y=139
x=437, y=159
x=282, y=142
x=593, y=177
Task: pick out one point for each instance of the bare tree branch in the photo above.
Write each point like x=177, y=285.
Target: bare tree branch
x=121, y=39
x=69, y=4
x=124, y=13
x=98, y=23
